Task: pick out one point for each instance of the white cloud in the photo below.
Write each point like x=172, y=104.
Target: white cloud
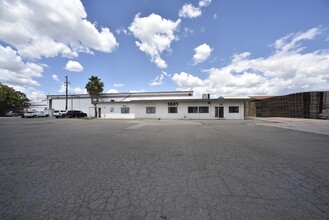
x=112, y=91
x=62, y=89
x=204, y=3
x=287, y=70
x=31, y=93
x=73, y=66
x=283, y=45
x=51, y=28
x=215, y=16
x=159, y=79
x=79, y=90
x=155, y=35
x=121, y=30
x=137, y=91
x=55, y=77
x=14, y=71
x=189, y=11
x=75, y=90
x=187, y=31
x=118, y=84
x=186, y=80
x=202, y=53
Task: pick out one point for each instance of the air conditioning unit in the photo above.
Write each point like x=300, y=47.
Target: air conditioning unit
x=206, y=96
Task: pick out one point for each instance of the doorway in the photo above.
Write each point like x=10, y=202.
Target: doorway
x=219, y=112
x=99, y=112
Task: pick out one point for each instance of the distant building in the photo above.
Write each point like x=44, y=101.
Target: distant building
x=37, y=106
x=156, y=105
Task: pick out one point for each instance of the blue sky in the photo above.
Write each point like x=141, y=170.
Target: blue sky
x=231, y=48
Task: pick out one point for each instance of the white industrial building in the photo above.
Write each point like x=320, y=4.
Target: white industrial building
x=156, y=105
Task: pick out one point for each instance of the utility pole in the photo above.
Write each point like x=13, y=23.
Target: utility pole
x=66, y=90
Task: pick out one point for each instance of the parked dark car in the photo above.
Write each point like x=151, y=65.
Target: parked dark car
x=15, y=113
x=75, y=114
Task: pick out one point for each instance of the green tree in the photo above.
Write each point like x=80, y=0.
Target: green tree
x=94, y=87
x=10, y=99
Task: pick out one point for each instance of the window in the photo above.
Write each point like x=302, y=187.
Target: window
x=172, y=109
x=203, y=109
x=233, y=109
x=192, y=109
x=150, y=110
x=125, y=110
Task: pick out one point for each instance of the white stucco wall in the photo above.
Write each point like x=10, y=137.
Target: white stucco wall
x=138, y=110
x=81, y=104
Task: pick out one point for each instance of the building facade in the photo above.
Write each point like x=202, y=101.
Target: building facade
x=153, y=105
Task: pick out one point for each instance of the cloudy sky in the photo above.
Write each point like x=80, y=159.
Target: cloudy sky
x=222, y=47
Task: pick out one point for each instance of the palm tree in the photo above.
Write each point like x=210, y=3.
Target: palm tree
x=94, y=87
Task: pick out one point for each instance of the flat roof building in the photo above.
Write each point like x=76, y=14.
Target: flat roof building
x=156, y=105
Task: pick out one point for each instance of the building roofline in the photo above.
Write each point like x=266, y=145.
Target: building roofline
x=128, y=94
x=179, y=100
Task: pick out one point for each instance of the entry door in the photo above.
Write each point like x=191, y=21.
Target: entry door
x=219, y=112
x=99, y=112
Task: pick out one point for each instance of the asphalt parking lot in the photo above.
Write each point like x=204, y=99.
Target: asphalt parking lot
x=148, y=169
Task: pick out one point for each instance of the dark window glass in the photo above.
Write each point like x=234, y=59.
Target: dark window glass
x=172, y=109
x=125, y=110
x=192, y=109
x=203, y=109
x=150, y=110
x=233, y=109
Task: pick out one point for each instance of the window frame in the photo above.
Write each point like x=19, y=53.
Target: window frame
x=172, y=107
x=124, y=110
x=193, y=109
x=233, y=109
x=203, y=107
x=152, y=108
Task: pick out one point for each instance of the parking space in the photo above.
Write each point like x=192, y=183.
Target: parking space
x=161, y=169
x=317, y=126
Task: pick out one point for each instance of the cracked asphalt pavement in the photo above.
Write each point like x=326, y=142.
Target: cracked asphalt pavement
x=117, y=169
